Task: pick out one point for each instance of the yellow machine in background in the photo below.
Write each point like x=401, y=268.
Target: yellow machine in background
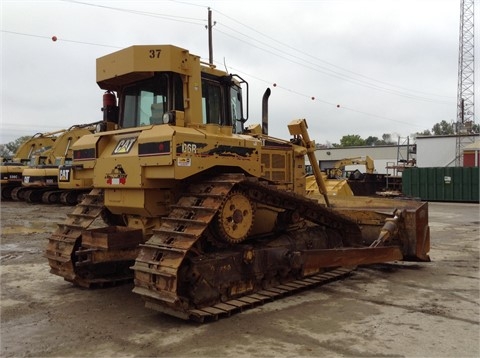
x=335, y=187
x=40, y=181
x=71, y=189
x=208, y=214
x=11, y=171
x=336, y=183
x=338, y=170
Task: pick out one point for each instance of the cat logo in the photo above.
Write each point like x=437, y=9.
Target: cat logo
x=124, y=145
x=64, y=175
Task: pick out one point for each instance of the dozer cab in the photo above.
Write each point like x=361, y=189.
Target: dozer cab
x=11, y=171
x=208, y=215
x=40, y=180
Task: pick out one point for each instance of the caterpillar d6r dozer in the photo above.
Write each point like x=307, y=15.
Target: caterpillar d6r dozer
x=210, y=217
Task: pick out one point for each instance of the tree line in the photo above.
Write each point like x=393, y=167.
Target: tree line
x=445, y=128
x=440, y=128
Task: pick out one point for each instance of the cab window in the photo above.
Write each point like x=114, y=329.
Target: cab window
x=212, y=103
x=236, y=109
x=146, y=102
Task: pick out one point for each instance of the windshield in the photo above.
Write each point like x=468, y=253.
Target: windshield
x=146, y=102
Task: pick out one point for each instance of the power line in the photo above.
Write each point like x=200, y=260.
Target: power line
x=58, y=39
x=337, y=74
x=189, y=20
x=323, y=101
x=318, y=59
x=324, y=70
x=240, y=71
x=283, y=54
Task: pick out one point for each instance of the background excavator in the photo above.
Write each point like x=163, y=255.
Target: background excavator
x=211, y=217
x=338, y=171
x=361, y=183
x=11, y=170
x=343, y=183
x=40, y=178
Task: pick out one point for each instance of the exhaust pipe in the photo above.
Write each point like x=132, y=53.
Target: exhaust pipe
x=265, y=111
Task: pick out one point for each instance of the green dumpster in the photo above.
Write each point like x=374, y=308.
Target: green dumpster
x=442, y=184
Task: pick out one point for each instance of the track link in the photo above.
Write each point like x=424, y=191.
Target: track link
x=240, y=304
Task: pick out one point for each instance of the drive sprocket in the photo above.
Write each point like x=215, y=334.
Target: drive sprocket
x=235, y=217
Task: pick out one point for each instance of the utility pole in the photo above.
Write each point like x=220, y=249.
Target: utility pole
x=210, y=41
x=466, y=80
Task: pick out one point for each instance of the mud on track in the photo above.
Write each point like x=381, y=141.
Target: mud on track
x=397, y=309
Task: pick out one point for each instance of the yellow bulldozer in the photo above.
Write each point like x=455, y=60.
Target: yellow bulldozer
x=208, y=215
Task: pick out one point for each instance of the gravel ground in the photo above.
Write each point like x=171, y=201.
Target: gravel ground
x=389, y=310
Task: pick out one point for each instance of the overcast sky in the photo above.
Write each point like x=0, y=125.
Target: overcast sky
x=390, y=65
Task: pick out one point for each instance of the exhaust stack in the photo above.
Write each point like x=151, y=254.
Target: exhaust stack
x=265, y=111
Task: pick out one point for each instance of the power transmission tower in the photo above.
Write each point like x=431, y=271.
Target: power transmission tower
x=466, y=80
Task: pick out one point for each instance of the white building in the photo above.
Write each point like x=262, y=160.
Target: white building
x=383, y=156
x=439, y=151
x=426, y=151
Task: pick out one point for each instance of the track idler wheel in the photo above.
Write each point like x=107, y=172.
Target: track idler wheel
x=50, y=197
x=69, y=198
x=7, y=192
x=33, y=196
x=235, y=218
x=18, y=193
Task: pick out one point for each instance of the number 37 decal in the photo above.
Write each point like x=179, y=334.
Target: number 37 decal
x=154, y=53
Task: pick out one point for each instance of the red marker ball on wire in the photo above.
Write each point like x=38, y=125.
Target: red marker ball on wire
x=54, y=38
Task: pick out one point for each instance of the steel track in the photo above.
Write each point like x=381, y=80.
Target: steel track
x=158, y=266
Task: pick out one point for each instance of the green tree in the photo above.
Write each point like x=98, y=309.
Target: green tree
x=4, y=152
x=440, y=128
x=351, y=140
x=387, y=138
x=425, y=132
x=443, y=128
x=371, y=140
x=9, y=149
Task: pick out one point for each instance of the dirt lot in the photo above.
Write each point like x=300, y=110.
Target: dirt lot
x=396, y=310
